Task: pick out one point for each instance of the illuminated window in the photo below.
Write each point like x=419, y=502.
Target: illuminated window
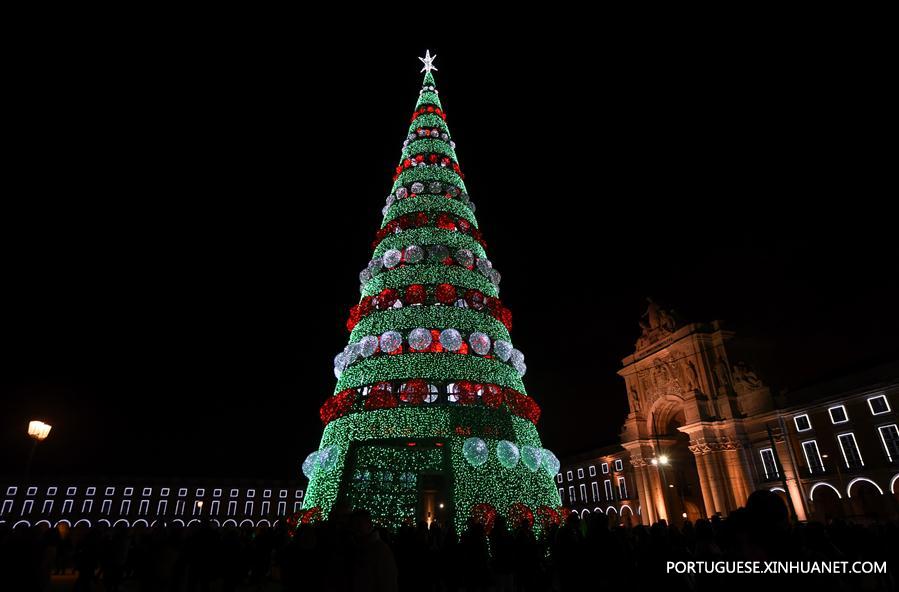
x=72, y=491
x=803, y=424
x=198, y=508
x=164, y=492
x=838, y=414
x=214, y=508
x=266, y=493
x=106, y=507
x=812, y=457
x=234, y=493
x=182, y=492
x=216, y=493
x=297, y=506
x=571, y=498
x=583, y=489
x=162, y=507
x=67, y=506
x=266, y=508
x=592, y=471
x=144, y=508
x=201, y=492
x=11, y=490
x=622, y=488
x=251, y=493
x=110, y=491
x=232, y=508
x=569, y=475
x=179, y=508
x=851, y=454
x=559, y=478
x=879, y=405
x=125, y=507
x=87, y=506
x=48, y=507
x=298, y=494
x=7, y=507
x=282, y=494
x=608, y=485
x=91, y=491
x=51, y=491
x=889, y=435
x=248, y=508
x=27, y=507
x=605, y=468
x=580, y=473
x=282, y=508
x=147, y=492
x=562, y=494
x=769, y=464
x=594, y=489
x=619, y=466
x=31, y=491
x=129, y=491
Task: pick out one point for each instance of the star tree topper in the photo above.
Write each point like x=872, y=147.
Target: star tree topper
x=428, y=61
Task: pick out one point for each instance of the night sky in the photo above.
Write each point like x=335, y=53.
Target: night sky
x=183, y=228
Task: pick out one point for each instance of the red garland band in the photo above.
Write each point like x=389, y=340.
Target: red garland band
x=432, y=158
x=418, y=294
x=385, y=395
x=442, y=220
x=485, y=515
x=429, y=109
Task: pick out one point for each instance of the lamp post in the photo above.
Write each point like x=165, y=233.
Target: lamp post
x=37, y=431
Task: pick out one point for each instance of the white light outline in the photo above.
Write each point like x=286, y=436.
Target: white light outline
x=807, y=419
x=843, y=449
x=845, y=414
x=884, y=441
x=885, y=400
x=856, y=480
x=811, y=493
x=808, y=462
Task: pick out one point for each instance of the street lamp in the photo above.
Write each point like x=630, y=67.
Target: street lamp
x=664, y=459
x=37, y=431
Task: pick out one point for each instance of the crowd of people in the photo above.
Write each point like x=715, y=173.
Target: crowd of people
x=348, y=553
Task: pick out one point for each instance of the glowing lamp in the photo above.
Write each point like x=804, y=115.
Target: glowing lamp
x=39, y=430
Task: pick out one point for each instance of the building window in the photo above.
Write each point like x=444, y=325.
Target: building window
x=201, y=492
x=592, y=471
x=11, y=490
x=559, y=478
x=608, y=485
x=594, y=489
x=162, y=507
x=232, y=508
x=889, y=435
x=87, y=506
x=251, y=493
x=248, y=509
x=571, y=498
x=198, y=507
x=72, y=491
x=619, y=466
x=879, y=405
x=851, y=453
x=67, y=506
x=234, y=493
x=106, y=507
x=769, y=465
x=299, y=493
x=296, y=505
x=562, y=494
x=125, y=507
x=605, y=468
x=147, y=492
x=110, y=491
x=179, y=508
x=216, y=493
x=144, y=508
x=182, y=492
x=580, y=473
x=31, y=491
x=48, y=507
x=812, y=457
x=569, y=475
x=7, y=507
x=838, y=414
x=27, y=507
x=802, y=423
x=51, y=491
x=214, y=508
x=129, y=491
x=622, y=488
x=583, y=489
x=282, y=508
x=266, y=507
x=164, y=491
x=91, y=491
x=266, y=493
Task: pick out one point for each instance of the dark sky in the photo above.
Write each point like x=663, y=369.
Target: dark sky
x=183, y=227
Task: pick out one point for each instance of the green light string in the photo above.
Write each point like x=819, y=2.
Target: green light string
x=428, y=146
x=429, y=120
x=439, y=367
x=466, y=320
x=400, y=277
x=429, y=203
x=428, y=173
x=427, y=236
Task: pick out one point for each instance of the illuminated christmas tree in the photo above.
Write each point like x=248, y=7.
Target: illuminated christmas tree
x=430, y=418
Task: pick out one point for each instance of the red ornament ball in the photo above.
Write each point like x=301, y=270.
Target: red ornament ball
x=445, y=293
x=415, y=294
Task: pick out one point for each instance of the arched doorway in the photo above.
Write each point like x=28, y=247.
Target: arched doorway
x=866, y=500
x=675, y=462
x=826, y=502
